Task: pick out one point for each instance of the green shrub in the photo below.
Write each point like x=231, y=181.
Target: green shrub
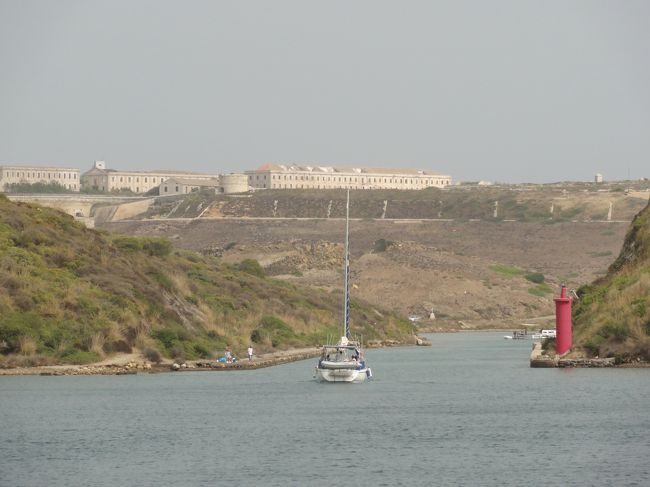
x=382, y=245
x=593, y=344
x=639, y=306
x=200, y=276
x=273, y=329
x=536, y=277
x=164, y=281
x=33, y=236
x=624, y=280
x=540, y=290
x=507, y=270
x=79, y=357
x=128, y=244
x=548, y=343
x=157, y=247
x=11, y=330
x=169, y=337
x=585, y=298
x=152, y=355
x=616, y=332
x=178, y=352
x=251, y=266
x=202, y=348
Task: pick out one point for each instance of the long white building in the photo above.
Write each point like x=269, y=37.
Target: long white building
x=67, y=177
x=101, y=179
x=280, y=176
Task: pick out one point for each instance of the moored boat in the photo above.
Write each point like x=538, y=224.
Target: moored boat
x=343, y=362
x=518, y=335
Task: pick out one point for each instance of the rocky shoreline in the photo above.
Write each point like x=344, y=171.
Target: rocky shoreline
x=539, y=360
x=142, y=366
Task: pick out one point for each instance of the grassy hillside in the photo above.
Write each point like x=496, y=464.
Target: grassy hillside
x=72, y=295
x=612, y=317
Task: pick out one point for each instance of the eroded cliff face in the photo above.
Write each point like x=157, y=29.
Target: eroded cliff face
x=636, y=248
x=612, y=316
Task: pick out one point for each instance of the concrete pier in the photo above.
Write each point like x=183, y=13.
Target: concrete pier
x=539, y=360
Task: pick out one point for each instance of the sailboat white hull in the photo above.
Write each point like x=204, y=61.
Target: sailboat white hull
x=343, y=362
x=341, y=375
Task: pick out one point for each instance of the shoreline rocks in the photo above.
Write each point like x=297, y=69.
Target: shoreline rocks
x=540, y=360
x=130, y=368
x=135, y=367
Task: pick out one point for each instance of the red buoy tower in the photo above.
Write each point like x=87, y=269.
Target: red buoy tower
x=564, y=338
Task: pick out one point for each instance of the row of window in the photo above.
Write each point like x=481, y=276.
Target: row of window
x=363, y=180
x=137, y=179
x=37, y=175
x=307, y=186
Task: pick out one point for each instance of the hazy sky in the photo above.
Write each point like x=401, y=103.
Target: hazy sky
x=511, y=91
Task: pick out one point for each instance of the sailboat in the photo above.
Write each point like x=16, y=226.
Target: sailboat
x=343, y=362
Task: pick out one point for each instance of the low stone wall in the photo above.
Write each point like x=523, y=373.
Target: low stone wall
x=57, y=370
x=586, y=362
x=539, y=360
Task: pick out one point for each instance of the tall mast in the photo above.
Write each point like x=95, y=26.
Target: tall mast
x=346, y=305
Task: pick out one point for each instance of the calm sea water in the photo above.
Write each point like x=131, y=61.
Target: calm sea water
x=466, y=411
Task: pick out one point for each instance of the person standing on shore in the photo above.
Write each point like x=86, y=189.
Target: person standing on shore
x=250, y=353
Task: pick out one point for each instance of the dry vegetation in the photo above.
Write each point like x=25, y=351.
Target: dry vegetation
x=72, y=295
x=612, y=317
x=480, y=273
x=551, y=203
x=490, y=272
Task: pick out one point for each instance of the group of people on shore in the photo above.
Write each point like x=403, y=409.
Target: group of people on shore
x=230, y=358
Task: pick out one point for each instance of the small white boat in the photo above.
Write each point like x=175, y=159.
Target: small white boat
x=518, y=335
x=343, y=362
